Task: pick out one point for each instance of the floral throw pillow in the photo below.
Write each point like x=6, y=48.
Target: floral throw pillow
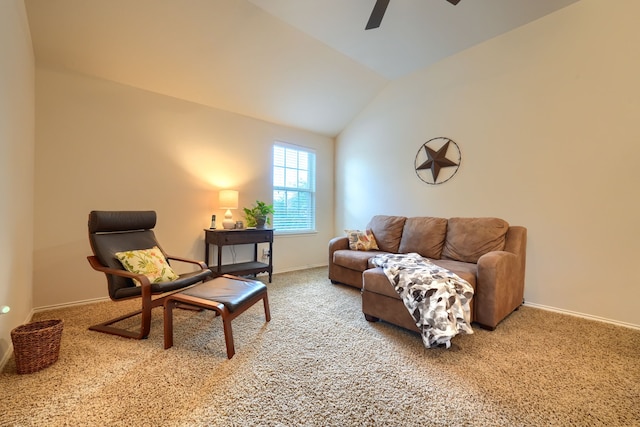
x=150, y=262
x=361, y=240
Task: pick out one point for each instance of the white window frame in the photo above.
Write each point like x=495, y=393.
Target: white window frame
x=288, y=176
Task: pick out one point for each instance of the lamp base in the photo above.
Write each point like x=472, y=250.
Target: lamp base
x=228, y=223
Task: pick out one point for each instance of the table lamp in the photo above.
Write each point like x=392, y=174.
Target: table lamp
x=228, y=200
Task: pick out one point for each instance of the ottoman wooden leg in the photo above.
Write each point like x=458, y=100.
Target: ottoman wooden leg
x=228, y=337
x=267, y=311
x=168, y=323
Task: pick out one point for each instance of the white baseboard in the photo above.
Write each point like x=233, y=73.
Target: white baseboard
x=7, y=356
x=93, y=300
x=69, y=304
x=584, y=316
x=304, y=267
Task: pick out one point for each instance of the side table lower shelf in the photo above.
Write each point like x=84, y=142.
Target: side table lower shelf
x=242, y=269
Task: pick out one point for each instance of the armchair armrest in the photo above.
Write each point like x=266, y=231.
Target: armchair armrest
x=201, y=264
x=144, y=280
x=500, y=287
x=145, y=285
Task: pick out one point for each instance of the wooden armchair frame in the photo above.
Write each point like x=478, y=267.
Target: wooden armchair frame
x=116, y=231
x=148, y=302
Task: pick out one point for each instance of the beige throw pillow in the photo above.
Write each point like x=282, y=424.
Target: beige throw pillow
x=361, y=240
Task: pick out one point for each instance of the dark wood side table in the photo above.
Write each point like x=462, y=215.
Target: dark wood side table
x=221, y=238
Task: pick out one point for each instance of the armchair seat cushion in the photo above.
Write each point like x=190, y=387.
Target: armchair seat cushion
x=184, y=280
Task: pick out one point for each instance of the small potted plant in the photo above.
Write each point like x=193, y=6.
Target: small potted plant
x=258, y=214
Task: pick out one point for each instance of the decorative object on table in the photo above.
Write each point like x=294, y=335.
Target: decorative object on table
x=228, y=200
x=36, y=345
x=258, y=215
x=239, y=225
x=438, y=160
x=213, y=222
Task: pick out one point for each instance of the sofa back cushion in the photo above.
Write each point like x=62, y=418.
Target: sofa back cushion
x=470, y=238
x=424, y=235
x=387, y=231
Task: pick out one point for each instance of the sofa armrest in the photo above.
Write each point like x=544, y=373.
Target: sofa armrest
x=500, y=287
x=338, y=243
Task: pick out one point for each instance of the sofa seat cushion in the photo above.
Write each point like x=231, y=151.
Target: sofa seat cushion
x=423, y=235
x=387, y=231
x=470, y=238
x=374, y=280
x=353, y=260
x=465, y=270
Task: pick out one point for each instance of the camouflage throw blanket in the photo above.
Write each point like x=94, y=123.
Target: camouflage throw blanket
x=437, y=298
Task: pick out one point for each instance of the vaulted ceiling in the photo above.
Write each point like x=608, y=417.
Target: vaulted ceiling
x=303, y=63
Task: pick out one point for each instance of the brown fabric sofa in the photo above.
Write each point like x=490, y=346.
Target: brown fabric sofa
x=486, y=252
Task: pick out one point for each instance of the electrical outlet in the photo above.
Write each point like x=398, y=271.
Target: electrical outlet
x=265, y=253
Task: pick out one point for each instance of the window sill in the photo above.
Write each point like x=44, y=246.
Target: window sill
x=294, y=233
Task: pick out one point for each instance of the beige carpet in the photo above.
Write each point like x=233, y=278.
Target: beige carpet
x=319, y=363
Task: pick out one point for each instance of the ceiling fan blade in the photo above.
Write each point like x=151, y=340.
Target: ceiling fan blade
x=376, y=15
x=454, y=2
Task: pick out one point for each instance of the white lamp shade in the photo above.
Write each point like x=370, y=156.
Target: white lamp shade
x=228, y=199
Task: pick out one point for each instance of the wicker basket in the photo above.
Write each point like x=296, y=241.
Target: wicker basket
x=36, y=345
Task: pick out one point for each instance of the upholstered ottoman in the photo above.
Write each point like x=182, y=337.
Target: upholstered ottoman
x=227, y=295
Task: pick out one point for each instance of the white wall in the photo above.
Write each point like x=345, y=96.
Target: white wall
x=546, y=117
x=16, y=169
x=105, y=146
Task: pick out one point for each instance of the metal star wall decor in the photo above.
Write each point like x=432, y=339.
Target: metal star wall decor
x=437, y=160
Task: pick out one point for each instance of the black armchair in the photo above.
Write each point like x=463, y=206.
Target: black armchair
x=119, y=231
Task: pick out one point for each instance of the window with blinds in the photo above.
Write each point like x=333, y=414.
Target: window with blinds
x=294, y=188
